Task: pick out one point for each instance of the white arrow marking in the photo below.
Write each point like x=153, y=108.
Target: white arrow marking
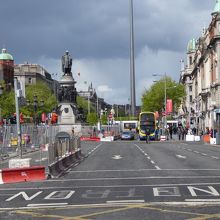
x=181, y=157
x=117, y=157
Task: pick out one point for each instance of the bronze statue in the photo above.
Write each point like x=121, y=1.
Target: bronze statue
x=66, y=63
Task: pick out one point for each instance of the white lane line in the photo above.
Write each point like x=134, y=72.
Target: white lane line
x=196, y=152
x=184, y=203
x=47, y=204
x=148, y=158
x=204, y=154
x=214, y=157
x=202, y=200
x=190, y=150
x=135, y=178
x=181, y=157
x=125, y=201
x=146, y=154
x=140, y=170
x=152, y=162
x=158, y=168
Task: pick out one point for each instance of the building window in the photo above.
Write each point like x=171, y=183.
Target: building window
x=190, y=98
x=29, y=80
x=190, y=60
x=190, y=88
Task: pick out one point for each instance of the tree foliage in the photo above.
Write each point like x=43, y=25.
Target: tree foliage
x=153, y=98
x=92, y=118
x=41, y=90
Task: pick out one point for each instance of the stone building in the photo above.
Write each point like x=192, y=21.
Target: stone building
x=30, y=74
x=201, y=77
x=6, y=68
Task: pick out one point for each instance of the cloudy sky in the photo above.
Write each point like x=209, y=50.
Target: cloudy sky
x=96, y=33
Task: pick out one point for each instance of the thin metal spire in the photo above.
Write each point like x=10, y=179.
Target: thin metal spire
x=132, y=62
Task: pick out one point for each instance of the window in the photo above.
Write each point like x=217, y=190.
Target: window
x=190, y=60
x=190, y=98
x=29, y=80
x=190, y=88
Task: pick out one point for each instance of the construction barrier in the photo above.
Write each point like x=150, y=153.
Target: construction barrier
x=59, y=167
x=163, y=138
x=26, y=174
x=90, y=139
x=206, y=138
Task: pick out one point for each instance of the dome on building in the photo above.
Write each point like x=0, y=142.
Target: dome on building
x=191, y=46
x=5, y=56
x=217, y=8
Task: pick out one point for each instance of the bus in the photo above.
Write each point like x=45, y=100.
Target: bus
x=146, y=120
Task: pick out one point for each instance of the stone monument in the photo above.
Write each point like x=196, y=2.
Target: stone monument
x=67, y=93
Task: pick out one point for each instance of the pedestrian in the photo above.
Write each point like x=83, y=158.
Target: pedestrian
x=147, y=133
x=179, y=132
x=171, y=131
x=73, y=132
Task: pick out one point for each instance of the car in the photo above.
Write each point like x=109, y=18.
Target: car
x=127, y=135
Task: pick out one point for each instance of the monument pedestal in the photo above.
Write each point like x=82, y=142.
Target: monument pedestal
x=67, y=115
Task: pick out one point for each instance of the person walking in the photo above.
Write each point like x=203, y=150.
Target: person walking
x=147, y=133
x=171, y=131
x=179, y=132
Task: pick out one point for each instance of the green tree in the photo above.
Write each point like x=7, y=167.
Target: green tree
x=43, y=93
x=83, y=104
x=92, y=118
x=104, y=119
x=153, y=98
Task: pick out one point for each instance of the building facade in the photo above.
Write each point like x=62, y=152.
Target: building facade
x=6, y=68
x=201, y=77
x=30, y=74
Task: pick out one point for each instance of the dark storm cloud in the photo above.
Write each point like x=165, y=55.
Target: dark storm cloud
x=93, y=28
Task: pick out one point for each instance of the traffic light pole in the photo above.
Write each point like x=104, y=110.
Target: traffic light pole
x=18, y=116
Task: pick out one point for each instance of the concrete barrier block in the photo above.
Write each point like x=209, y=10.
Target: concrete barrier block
x=19, y=163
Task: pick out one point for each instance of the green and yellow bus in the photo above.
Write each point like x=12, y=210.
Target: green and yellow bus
x=147, y=120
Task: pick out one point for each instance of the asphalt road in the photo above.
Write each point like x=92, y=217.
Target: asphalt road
x=125, y=180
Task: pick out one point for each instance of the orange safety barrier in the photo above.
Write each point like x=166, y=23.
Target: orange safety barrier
x=206, y=138
x=25, y=174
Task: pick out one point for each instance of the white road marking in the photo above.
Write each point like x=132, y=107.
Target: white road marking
x=204, y=154
x=135, y=178
x=117, y=157
x=148, y=158
x=152, y=162
x=47, y=204
x=215, y=157
x=125, y=201
x=190, y=150
x=140, y=170
x=202, y=200
x=196, y=152
x=158, y=168
x=181, y=157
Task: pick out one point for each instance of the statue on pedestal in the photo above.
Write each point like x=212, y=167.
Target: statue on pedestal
x=66, y=63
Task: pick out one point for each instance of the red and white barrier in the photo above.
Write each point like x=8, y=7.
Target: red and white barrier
x=90, y=139
x=163, y=138
x=25, y=174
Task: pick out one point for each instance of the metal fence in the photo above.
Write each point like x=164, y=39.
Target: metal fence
x=32, y=137
x=106, y=130
x=62, y=148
